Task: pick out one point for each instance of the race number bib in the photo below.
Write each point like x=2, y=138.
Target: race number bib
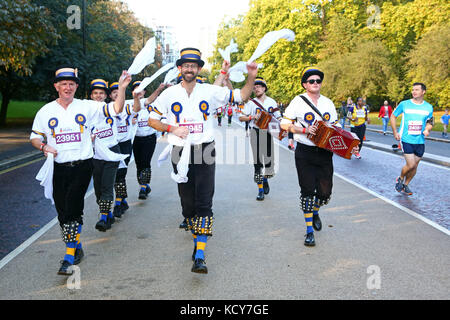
x=68, y=140
x=414, y=127
x=360, y=114
x=104, y=134
x=193, y=127
x=122, y=129
x=142, y=124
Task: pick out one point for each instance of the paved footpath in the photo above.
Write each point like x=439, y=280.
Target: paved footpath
x=368, y=249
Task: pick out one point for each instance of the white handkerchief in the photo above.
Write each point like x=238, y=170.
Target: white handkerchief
x=145, y=57
x=164, y=155
x=269, y=39
x=183, y=164
x=45, y=176
x=149, y=80
x=105, y=154
x=232, y=48
x=172, y=74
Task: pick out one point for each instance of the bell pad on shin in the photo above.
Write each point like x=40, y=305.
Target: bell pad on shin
x=69, y=231
x=200, y=225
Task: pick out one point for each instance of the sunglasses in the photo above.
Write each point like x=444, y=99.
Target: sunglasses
x=318, y=81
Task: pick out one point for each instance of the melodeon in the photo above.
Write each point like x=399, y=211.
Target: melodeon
x=267, y=122
x=334, y=139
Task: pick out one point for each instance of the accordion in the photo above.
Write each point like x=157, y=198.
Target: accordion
x=267, y=122
x=334, y=139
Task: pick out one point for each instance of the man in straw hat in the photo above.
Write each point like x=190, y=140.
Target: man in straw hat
x=65, y=126
x=188, y=109
x=314, y=165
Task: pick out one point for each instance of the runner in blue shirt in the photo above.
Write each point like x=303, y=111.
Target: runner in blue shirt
x=417, y=122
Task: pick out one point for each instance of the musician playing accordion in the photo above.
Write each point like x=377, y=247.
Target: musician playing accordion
x=314, y=165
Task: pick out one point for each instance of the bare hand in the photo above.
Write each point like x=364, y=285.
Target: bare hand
x=252, y=69
x=138, y=95
x=180, y=132
x=311, y=129
x=49, y=149
x=355, y=150
x=124, y=79
x=426, y=133
x=226, y=65
x=397, y=136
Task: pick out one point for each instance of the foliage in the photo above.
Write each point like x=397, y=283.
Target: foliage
x=370, y=48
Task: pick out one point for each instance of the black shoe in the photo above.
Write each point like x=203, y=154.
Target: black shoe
x=64, y=269
x=317, y=224
x=79, y=254
x=117, y=211
x=194, y=252
x=260, y=196
x=199, y=266
x=143, y=194
x=309, y=240
x=102, y=226
x=110, y=221
x=266, y=187
x=183, y=225
x=124, y=206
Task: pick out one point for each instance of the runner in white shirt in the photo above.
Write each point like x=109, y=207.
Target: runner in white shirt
x=144, y=142
x=125, y=134
x=188, y=107
x=65, y=124
x=260, y=139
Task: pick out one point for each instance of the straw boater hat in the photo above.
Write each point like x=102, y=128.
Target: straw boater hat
x=66, y=74
x=113, y=86
x=190, y=55
x=99, y=84
x=260, y=81
x=309, y=71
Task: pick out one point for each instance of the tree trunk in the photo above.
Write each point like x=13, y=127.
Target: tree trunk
x=6, y=97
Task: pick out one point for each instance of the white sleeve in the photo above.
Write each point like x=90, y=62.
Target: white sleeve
x=290, y=115
x=158, y=108
x=38, y=129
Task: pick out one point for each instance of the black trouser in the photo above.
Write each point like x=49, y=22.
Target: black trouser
x=70, y=184
x=219, y=119
x=105, y=176
x=262, y=146
x=143, y=149
x=360, y=131
x=196, y=195
x=314, y=170
x=229, y=119
x=247, y=123
x=125, y=148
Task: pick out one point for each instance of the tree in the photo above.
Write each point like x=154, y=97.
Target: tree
x=429, y=62
x=26, y=33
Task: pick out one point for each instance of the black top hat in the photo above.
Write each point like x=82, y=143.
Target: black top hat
x=190, y=55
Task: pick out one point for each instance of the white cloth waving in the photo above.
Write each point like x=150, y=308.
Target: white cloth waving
x=145, y=57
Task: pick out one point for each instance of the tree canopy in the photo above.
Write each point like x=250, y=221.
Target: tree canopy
x=374, y=49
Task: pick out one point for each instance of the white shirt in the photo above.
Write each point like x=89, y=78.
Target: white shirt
x=302, y=115
x=252, y=109
x=124, y=122
x=143, y=129
x=69, y=130
x=195, y=111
